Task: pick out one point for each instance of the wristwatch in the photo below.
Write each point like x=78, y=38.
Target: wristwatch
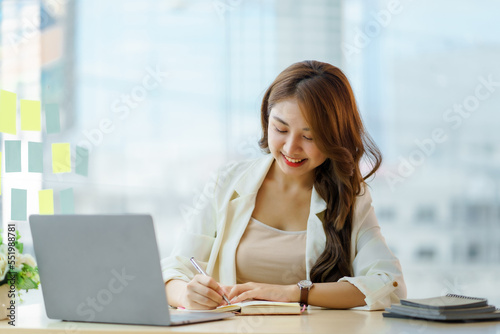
x=305, y=286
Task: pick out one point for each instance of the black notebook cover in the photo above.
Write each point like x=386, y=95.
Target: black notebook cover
x=410, y=310
x=447, y=317
x=449, y=301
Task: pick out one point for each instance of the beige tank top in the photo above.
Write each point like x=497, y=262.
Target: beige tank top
x=269, y=255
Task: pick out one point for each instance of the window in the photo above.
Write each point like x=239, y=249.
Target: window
x=162, y=93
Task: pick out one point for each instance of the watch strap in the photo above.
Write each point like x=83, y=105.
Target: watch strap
x=304, y=294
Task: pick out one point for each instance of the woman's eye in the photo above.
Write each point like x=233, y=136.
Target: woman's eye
x=280, y=131
x=307, y=138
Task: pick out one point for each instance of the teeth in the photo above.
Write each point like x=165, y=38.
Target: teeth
x=292, y=160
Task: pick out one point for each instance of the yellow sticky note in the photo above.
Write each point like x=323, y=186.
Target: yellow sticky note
x=61, y=158
x=8, y=112
x=31, y=117
x=46, y=202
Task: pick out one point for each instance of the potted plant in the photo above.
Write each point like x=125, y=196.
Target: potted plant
x=18, y=271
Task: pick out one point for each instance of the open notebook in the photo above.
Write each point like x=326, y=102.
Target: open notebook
x=257, y=307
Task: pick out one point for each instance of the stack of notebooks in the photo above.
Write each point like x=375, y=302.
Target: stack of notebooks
x=445, y=308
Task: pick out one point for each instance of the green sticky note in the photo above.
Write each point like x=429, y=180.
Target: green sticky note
x=12, y=156
x=8, y=109
x=35, y=157
x=67, y=200
x=61, y=158
x=52, y=121
x=18, y=204
x=31, y=117
x=46, y=202
x=82, y=161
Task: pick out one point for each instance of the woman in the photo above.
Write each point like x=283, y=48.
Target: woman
x=296, y=224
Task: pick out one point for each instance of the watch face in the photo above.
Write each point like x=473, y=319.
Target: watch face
x=305, y=284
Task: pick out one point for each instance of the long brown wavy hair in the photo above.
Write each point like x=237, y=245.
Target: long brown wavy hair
x=328, y=105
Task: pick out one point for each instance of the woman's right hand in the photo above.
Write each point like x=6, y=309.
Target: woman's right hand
x=202, y=293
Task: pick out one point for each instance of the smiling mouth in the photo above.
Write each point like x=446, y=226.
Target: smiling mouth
x=293, y=161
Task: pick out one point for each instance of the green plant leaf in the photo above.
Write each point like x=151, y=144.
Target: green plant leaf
x=18, y=244
x=27, y=278
x=25, y=283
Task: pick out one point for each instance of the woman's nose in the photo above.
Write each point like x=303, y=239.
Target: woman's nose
x=292, y=146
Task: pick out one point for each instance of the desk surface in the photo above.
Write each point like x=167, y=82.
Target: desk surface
x=31, y=318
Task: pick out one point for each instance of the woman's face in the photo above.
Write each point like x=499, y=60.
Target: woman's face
x=290, y=140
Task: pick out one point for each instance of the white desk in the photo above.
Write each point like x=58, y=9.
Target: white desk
x=31, y=318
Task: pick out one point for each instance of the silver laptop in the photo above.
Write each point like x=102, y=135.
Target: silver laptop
x=104, y=268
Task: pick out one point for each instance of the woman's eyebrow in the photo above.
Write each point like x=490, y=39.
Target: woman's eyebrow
x=285, y=123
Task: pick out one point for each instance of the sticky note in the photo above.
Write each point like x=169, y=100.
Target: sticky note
x=31, y=117
x=8, y=112
x=35, y=157
x=82, y=161
x=0, y=173
x=52, y=121
x=46, y=202
x=61, y=158
x=18, y=204
x=66, y=198
x=12, y=156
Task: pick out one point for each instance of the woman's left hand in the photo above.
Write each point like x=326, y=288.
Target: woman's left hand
x=261, y=291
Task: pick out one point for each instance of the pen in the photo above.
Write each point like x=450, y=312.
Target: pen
x=201, y=271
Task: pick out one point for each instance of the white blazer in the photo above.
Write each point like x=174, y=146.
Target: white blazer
x=218, y=221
